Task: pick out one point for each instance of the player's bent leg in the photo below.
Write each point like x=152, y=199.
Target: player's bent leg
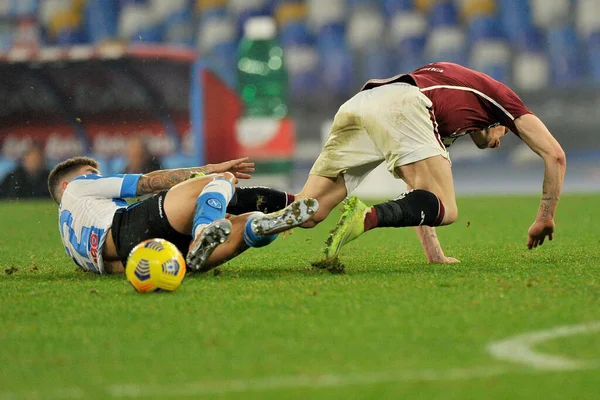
x=329, y=192
x=432, y=202
x=433, y=175
x=180, y=201
x=247, y=230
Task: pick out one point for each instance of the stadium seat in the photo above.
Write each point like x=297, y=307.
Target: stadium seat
x=564, y=54
x=101, y=19
x=587, y=17
x=391, y=7
x=593, y=48
x=516, y=22
x=476, y=8
x=134, y=20
x=442, y=13
x=290, y=13
x=178, y=25
x=493, y=57
x=335, y=60
x=531, y=71
x=446, y=43
x=215, y=30
x=302, y=62
x=407, y=32
x=484, y=27
x=365, y=27
x=550, y=13
x=321, y=13
x=295, y=33
x=238, y=7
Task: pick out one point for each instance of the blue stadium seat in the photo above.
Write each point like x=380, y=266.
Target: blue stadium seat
x=302, y=62
x=392, y=7
x=178, y=28
x=446, y=43
x=322, y=13
x=295, y=33
x=593, y=46
x=564, y=54
x=485, y=27
x=101, y=17
x=515, y=18
x=216, y=29
x=493, y=57
x=335, y=59
x=443, y=14
x=365, y=28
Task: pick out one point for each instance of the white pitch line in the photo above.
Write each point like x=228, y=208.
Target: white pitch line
x=518, y=349
x=302, y=381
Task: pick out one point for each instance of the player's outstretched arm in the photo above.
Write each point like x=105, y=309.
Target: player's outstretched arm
x=540, y=140
x=157, y=181
x=431, y=246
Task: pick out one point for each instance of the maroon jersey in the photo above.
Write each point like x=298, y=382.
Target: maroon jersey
x=463, y=99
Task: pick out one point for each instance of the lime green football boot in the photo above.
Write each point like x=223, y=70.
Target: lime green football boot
x=350, y=226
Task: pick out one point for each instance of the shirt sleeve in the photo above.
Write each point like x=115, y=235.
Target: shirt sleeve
x=511, y=107
x=105, y=186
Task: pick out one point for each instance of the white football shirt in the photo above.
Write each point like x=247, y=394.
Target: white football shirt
x=86, y=212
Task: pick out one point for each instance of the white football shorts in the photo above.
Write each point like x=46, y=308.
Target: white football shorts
x=392, y=123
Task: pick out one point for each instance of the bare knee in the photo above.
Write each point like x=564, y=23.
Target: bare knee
x=450, y=214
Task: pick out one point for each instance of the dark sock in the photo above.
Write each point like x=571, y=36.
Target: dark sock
x=413, y=208
x=258, y=198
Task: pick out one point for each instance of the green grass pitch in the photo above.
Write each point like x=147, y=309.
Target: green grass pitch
x=267, y=325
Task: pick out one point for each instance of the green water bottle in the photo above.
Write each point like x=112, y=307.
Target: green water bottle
x=262, y=79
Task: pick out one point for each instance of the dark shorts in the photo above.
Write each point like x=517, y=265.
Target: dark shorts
x=142, y=221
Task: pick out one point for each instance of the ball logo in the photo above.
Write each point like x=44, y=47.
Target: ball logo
x=171, y=267
x=142, y=270
x=214, y=203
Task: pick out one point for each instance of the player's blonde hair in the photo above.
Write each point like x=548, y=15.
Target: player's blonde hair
x=64, y=168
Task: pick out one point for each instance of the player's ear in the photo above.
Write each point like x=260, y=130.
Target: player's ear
x=63, y=185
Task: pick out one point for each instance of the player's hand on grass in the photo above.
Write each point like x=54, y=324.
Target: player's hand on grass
x=444, y=260
x=241, y=168
x=538, y=231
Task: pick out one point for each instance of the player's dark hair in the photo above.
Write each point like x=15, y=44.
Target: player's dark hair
x=63, y=169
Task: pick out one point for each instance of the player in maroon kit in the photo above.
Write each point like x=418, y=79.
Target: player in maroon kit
x=408, y=121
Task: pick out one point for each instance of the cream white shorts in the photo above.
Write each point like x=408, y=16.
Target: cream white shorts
x=392, y=123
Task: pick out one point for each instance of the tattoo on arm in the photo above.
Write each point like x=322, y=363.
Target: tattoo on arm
x=545, y=208
x=165, y=179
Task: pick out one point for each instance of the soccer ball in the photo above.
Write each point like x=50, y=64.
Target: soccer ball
x=155, y=265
